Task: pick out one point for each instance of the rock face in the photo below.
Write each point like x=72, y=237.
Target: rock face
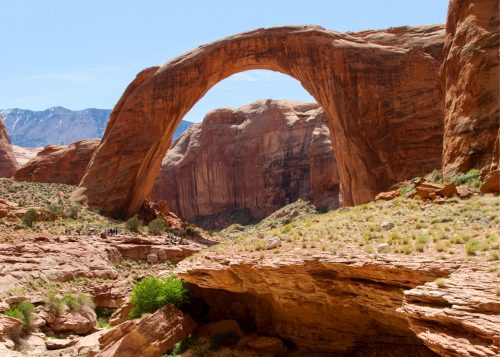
x=153, y=335
x=470, y=80
x=260, y=157
x=8, y=163
x=23, y=155
x=56, y=259
x=380, y=97
x=59, y=164
x=389, y=305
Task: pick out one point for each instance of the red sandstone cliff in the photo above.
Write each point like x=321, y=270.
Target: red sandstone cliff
x=8, y=163
x=259, y=157
x=470, y=80
x=59, y=164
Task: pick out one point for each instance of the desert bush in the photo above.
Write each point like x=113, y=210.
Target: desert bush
x=30, y=217
x=157, y=226
x=472, y=246
x=55, y=211
x=76, y=302
x=74, y=211
x=53, y=302
x=24, y=311
x=103, y=315
x=133, y=224
x=151, y=294
x=180, y=347
x=471, y=178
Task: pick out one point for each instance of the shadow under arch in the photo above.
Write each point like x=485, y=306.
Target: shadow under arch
x=371, y=91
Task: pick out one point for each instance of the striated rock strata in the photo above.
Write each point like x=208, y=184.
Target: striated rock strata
x=260, y=157
x=59, y=164
x=355, y=306
x=8, y=163
x=470, y=80
x=379, y=95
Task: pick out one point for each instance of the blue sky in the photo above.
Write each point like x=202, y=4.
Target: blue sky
x=81, y=54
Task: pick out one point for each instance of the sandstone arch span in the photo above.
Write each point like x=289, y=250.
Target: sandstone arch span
x=377, y=87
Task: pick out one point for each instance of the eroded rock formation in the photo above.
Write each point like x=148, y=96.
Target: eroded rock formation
x=470, y=80
x=59, y=164
x=389, y=305
x=8, y=163
x=380, y=97
x=260, y=157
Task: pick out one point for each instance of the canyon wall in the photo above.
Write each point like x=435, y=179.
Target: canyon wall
x=8, y=163
x=470, y=81
x=260, y=156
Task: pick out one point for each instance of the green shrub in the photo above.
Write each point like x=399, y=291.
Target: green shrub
x=472, y=246
x=157, y=226
x=24, y=311
x=103, y=315
x=55, y=211
x=53, y=302
x=133, y=224
x=77, y=301
x=74, y=211
x=471, y=178
x=180, y=347
x=30, y=217
x=151, y=294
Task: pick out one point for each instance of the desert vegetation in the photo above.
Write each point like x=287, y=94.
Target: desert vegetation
x=152, y=293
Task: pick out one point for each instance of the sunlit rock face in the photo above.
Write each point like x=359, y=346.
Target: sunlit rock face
x=470, y=81
x=259, y=157
x=59, y=164
x=8, y=163
x=378, y=92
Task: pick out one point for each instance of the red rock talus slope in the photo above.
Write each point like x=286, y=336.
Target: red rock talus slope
x=59, y=164
x=470, y=80
x=8, y=163
x=260, y=156
x=380, y=98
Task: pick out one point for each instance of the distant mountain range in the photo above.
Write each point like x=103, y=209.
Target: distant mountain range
x=59, y=126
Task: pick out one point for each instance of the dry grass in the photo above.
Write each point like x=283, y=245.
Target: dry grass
x=456, y=228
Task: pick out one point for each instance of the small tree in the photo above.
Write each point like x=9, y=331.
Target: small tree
x=133, y=224
x=30, y=217
x=157, y=226
x=24, y=311
x=151, y=294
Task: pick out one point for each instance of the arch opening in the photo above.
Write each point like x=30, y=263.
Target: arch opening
x=241, y=164
x=365, y=88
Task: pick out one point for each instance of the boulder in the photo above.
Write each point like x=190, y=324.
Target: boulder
x=59, y=343
x=266, y=344
x=387, y=196
x=150, y=336
x=80, y=322
x=121, y=315
x=10, y=329
x=429, y=190
x=59, y=164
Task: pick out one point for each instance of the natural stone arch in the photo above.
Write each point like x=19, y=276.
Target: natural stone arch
x=377, y=94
